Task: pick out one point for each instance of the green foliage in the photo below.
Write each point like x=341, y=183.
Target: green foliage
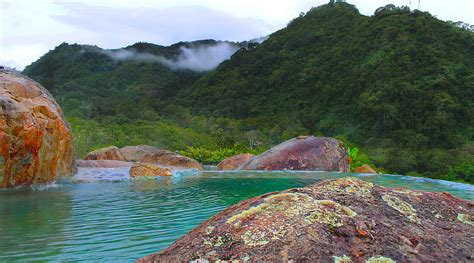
x=399, y=85
x=213, y=157
x=90, y=135
x=358, y=158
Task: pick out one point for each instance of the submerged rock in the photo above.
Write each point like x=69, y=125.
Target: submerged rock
x=136, y=153
x=234, y=162
x=167, y=158
x=148, y=170
x=36, y=142
x=102, y=164
x=365, y=169
x=302, y=153
x=343, y=220
x=108, y=153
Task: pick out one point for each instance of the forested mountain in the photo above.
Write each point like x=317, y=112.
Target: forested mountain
x=129, y=82
x=398, y=84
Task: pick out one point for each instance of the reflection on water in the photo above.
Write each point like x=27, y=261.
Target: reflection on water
x=103, y=216
x=33, y=220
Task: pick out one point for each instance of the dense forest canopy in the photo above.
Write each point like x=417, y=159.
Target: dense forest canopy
x=398, y=84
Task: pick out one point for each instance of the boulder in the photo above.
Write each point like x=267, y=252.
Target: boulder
x=302, y=153
x=108, y=153
x=102, y=164
x=365, y=169
x=167, y=158
x=147, y=169
x=136, y=153
x=36, y=142
x=234, y=162
x=343, y=220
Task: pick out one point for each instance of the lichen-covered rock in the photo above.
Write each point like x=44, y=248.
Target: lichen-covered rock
x=136, y=153
x=149, y=170
x=102, y=164
x=365, y=169
x=302, y=153
x=343, y=220
x=232, y=163
x=167, y=158
x=36, y=144
x=108, y=153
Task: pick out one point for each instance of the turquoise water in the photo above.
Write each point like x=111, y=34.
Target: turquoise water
x=103, y=216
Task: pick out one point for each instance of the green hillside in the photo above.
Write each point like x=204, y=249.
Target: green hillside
x=399, y=85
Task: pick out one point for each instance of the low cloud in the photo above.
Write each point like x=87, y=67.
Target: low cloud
x=199, y=59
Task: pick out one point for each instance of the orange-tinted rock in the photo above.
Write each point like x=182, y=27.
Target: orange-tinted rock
x=136, y=153
x=36, y=142
x=365, y=169
x=147, y=169
x=102, y=164
x=343, y=220
x=302, y=153
x=234, y=162
x=168, y=158
x=108, y=153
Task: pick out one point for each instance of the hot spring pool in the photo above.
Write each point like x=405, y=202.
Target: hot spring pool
x=103, y=216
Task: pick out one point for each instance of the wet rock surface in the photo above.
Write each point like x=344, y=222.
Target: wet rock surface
x=102, y=164
x=36, y=142
x=168, y=158
x=137, y=153
x=149, y=170
x=108, y=153
x=302, y=153
x=365, y=169
x=343, y=220
x=234, y=162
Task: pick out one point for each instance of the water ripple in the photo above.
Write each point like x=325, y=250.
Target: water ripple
x=104, y=216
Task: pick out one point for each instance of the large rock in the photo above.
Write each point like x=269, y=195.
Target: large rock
x=102, y=164
x=36, y=142
x=365, y=169
x=234, y=162
x=168, y=158
x=344, y=220
x=136, y=153
x=302, y=153
x=149, y=170
x=108, y=153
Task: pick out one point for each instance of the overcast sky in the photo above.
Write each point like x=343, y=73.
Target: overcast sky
x=29, y=28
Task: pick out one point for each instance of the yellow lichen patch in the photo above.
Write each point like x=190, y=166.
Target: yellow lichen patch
x=273, y=203
x=350, y=185
x=215, y=241
x=330, y=213
x=380, y=260
x=343, y=259
x=209, y=230
x=466, y=219
x=294, y=204
x=402, y=207
x=408, y=192
x=271, y=219
x=219, y=242
x=254, y=238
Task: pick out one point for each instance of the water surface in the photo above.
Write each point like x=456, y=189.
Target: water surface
x=103, y=216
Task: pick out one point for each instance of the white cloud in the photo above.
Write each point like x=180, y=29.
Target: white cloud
x=200, y=59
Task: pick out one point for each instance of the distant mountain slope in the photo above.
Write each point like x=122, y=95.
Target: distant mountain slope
x=132, y=81
x=400, y=83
